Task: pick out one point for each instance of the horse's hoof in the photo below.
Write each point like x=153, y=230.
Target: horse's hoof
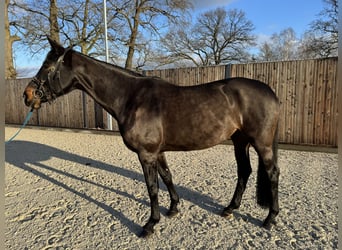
x=172, y=213
x=268, y=225
x=145, y=233
x=227, y=215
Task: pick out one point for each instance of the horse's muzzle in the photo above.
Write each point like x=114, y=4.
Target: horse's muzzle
x=33, y=97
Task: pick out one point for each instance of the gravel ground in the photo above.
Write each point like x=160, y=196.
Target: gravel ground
x=67, y=190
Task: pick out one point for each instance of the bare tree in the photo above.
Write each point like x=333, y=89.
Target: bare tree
x=10, y=71
x=281, y=46
x=73, y=22
x=286, y=44
x=33, y=20
x=134, y=26
x=266, y=52
x=321, y=40
x=136, y=20
x=82, y=25
x=218, y=36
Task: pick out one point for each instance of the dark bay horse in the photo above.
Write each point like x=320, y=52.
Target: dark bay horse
x=155, y=116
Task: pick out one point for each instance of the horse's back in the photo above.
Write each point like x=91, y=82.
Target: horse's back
x=249, y=87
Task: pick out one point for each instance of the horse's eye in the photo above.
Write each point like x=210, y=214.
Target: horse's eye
x=51, y=69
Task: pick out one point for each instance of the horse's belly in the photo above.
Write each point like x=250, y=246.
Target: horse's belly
x=201, y=124
x=195, y=139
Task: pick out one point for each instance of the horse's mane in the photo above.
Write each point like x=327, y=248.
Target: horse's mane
x=112, y=66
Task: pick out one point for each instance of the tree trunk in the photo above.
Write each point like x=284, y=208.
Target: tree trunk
x=10, y=71
x=54, y=27
x=131, y=45
x=132, y=40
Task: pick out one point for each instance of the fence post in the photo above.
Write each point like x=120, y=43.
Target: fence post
x=98, y=116
x=85, y=113
x=227, y=73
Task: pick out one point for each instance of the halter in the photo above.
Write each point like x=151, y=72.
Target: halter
x=53, y=76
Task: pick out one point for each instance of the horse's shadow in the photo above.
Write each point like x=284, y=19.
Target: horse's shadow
x=36, y=153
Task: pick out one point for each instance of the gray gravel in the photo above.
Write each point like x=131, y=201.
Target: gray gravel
x=67, y=190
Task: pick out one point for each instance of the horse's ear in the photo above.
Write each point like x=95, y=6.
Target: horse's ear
x=68, y=56
x=56, y=46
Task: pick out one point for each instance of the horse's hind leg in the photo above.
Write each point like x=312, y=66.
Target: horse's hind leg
x=267, y=182
x=166, y=176
x=241, y=147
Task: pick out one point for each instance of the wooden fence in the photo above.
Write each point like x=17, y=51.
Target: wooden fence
x=307, y=90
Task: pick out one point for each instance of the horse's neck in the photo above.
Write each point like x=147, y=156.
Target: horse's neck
x=107, y=85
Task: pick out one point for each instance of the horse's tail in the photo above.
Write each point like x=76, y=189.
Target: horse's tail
x=264, y=190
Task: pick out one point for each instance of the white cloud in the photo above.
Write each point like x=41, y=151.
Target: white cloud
x=261, y=38
x=27, y=72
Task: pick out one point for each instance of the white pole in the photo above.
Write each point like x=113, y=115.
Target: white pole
x=109, y=117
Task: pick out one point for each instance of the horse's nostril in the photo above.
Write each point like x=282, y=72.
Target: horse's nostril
x=26, y=99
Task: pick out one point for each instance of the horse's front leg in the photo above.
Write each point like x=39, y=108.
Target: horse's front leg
x=150, y=168
x=166, y=176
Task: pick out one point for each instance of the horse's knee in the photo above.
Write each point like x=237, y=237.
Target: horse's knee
x=153, y=191
x=166, y=175
x=268, y=161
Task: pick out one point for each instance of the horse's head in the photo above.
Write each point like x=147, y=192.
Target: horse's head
x=53, y=79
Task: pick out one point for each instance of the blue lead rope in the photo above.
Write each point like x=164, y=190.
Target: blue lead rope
x=22, y=126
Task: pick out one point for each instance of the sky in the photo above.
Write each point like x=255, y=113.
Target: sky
x=268, y=17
